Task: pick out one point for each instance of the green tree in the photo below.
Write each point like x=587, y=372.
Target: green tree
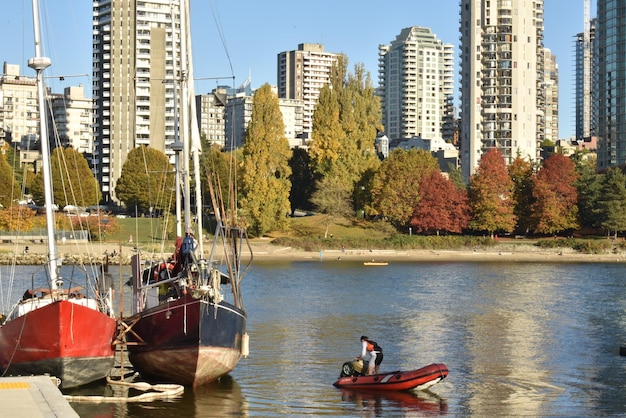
x=456, y=175
x=147, y=180
x=555, y=209
x=73, y=183
x=9, y=188
x=362, y=195
x=589, y=188
x=396, y=186
x=265, y=175
x=612, y=203
x=302, y=180
x=13, y=158
x=332, y=199
x=521, y=173
x=442, y=206
x=491, y=195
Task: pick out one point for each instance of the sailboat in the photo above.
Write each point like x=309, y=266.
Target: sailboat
x=51, y=330
x=189, y=324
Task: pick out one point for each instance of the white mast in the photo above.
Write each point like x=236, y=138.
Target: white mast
x=40, y=63
x=191, y=135
x=195, y=143
x=185, y=112
x=176, y=146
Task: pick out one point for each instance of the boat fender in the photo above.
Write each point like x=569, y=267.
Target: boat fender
x=245, y=345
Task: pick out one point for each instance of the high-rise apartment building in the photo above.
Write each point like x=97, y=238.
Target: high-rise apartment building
x=19, y=112
x=71, y=118
x=611, y=76
x=211, y=115
x=416, y=83
x=301, y=75
x=551, y=90
x=502, y=75
x=586, y=102
x=238, y=114
x=135, y=58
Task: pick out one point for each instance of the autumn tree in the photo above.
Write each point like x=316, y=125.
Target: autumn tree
x=554, y=190
x=73, y=182
x=521, y=173
x=9, y=188
x=612, y=202
x=442, y=206
x=265, y=174
x=302, y=180
x=146, y=181
x=98, y=227
x=345, y=124
x=491, y=195
x=396, y=186
x=218, y=168
x=17, y=218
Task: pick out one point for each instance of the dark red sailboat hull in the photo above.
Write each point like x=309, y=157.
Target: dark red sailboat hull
x=419, y=379
x=189, y=341
x=62, y=339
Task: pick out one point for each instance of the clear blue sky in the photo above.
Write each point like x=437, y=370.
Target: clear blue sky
x=238, y=37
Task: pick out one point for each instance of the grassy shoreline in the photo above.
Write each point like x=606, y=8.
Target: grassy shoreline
x=266, y=251
x=347, y=239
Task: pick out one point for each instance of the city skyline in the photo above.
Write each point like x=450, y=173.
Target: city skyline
x=237, y=41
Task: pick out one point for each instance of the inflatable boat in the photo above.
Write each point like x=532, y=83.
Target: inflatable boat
x=420, y=379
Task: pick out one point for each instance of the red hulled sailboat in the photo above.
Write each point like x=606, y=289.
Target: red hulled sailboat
x=66, y=333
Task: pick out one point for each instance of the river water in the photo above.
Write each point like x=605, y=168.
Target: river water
x=519, y=339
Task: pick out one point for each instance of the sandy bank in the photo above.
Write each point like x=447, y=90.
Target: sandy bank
x=264, y=251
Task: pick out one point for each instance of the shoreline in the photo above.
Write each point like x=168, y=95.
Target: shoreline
x=80, y=253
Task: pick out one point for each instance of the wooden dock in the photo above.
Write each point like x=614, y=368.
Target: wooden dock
x=32, y=396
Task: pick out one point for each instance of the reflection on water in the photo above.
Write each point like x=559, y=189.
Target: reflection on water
x=519, y=340
x=376, y=403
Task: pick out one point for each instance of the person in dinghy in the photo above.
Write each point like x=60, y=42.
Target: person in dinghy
x=371, y=354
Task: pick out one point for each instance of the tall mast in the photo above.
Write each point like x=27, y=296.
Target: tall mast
x=185, y=113
x=194, y=134
x=176, y=146
x=39, y=64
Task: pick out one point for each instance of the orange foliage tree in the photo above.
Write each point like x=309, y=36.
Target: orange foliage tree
x=442, y=206
x=555, y=208
x=491, y=195
x=17, y=218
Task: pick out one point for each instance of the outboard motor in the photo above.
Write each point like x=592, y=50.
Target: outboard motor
x=352, y=368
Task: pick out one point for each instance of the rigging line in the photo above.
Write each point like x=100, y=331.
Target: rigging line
x=220, y=31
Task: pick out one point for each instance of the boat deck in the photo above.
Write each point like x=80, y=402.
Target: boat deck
x=32, y=396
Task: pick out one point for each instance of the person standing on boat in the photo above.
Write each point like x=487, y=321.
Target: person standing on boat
x=374, y=354
x=187, y=248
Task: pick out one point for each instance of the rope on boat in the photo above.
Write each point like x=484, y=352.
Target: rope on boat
x=160, y=392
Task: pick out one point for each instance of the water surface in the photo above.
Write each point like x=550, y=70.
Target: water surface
x=520, y=339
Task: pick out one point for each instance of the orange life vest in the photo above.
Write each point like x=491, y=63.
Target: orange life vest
x=160, y=268
x=370, y=346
